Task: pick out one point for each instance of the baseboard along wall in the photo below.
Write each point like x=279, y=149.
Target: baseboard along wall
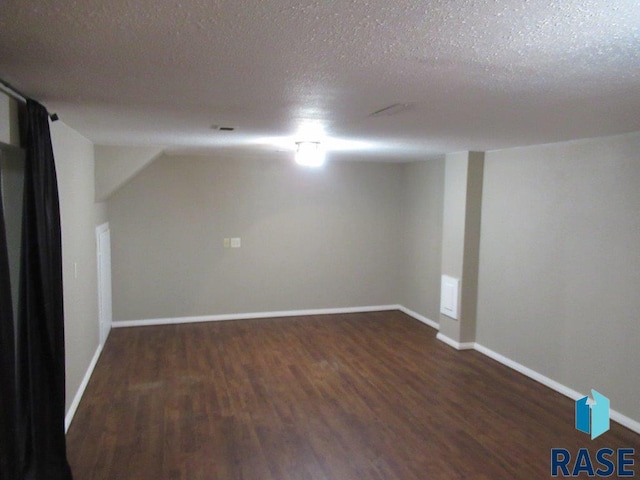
x=253, y=315
x=616, y=416
x=623, y=420
x=83, y=385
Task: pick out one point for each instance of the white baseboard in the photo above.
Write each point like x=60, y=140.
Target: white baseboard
x=83, y=385
x=558, y=387
x=419, y=317
x=538, y=377
x=248, y=316
x=625, y=421
x=452, y=343
x=546, y=381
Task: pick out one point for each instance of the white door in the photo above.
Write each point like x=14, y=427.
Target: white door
x=103, y=236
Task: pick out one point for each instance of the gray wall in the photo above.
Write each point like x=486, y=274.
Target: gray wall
x=75, y=169
x=559, y=278
x=424, y=193
x=311, y=238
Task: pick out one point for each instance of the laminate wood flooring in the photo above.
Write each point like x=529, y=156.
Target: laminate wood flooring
x=340, y=397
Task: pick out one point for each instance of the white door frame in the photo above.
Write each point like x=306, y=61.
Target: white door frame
x=103, y=247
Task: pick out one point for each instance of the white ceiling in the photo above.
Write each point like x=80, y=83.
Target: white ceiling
x=476, y=74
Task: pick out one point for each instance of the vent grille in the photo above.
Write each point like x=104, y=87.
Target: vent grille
x=391, y=110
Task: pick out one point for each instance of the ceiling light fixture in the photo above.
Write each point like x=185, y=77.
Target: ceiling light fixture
x=309, y=154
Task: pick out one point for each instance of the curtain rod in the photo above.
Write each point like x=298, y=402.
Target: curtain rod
x=12, y=92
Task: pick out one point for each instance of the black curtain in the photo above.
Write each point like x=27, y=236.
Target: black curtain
x=8, y=438
x=40, y=349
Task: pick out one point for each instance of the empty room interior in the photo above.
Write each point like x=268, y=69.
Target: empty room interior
x=425, y=295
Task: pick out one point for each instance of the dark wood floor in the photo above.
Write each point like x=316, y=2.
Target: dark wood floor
x=342, y=397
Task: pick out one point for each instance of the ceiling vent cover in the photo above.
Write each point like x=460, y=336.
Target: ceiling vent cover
x=391, y=110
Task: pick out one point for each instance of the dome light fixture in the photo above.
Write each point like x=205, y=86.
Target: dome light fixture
x=309, y=154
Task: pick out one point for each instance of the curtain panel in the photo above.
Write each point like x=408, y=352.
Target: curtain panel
x=40, y=327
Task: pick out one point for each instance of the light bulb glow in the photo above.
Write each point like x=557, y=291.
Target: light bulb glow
x=309, y=154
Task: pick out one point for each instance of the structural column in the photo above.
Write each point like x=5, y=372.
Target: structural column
x=461, y=243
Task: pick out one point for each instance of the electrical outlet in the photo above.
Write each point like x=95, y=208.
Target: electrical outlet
x=235, y=242
x=226, y=243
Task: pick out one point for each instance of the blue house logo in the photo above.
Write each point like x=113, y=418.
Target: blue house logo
x=592, y=416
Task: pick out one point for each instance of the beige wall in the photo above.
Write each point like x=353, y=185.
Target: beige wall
x=559, y=276
x=324, y=238
x=75, y=168
x=422, y=234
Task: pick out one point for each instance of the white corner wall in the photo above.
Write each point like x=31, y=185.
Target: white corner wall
x=75, y=169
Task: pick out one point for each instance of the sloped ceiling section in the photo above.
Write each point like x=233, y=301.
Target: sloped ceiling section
x=475, y=74
x=116, y=165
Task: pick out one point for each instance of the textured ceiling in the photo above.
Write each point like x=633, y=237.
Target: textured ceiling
x=476, y=74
